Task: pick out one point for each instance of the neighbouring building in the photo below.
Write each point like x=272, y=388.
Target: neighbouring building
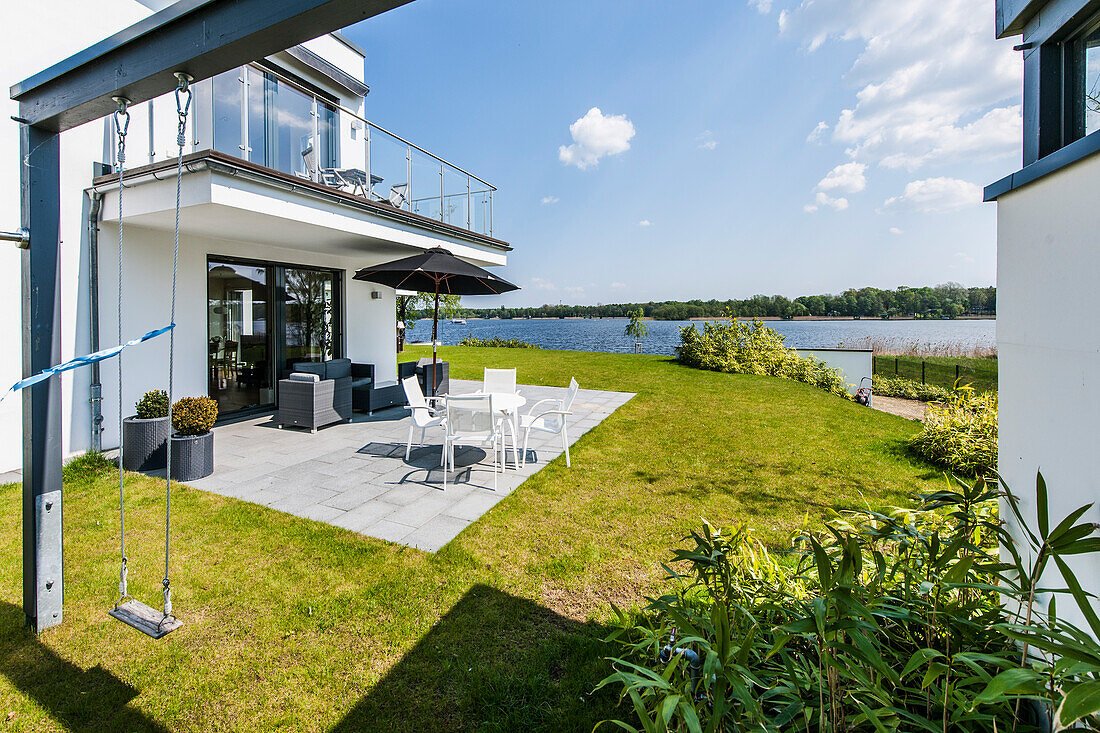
x=287, y=190
x=1048, y=266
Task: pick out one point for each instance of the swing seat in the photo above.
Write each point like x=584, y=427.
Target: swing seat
x=145, y=619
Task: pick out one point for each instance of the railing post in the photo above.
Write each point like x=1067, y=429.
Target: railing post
x=315, y=173
x=409, y=176
x=366, y=139
x=243, y=79
x=468, y=223
x=441, y=192
x=490, y=212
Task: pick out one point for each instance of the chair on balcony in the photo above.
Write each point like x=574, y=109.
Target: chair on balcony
x=399, y=195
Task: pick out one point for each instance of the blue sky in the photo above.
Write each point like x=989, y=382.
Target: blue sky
x=696, y=170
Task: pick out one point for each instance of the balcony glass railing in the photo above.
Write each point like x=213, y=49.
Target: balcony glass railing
x=262, y=117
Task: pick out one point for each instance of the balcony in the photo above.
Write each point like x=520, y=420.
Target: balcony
x=262, y=117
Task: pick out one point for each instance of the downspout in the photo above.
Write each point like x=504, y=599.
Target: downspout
x=96, y=387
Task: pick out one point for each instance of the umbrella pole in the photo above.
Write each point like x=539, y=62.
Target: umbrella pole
x=435, y=331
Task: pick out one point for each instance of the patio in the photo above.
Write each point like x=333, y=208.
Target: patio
x=355, y=475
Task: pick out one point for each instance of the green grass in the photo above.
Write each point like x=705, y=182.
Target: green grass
x=940, y=370
x=299, y=625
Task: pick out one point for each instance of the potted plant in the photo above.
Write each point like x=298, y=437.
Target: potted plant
x=193, y=441
x=145, y=434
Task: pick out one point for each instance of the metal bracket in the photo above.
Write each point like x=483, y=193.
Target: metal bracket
x=49, y=581
x=21, y=237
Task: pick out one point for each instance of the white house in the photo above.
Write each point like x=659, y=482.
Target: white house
x=1048, y=264
x=287, y=190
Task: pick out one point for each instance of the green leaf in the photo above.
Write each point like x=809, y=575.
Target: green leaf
x=1018, y=681
x=1082, y=700
x=1041, y=505
x=919, y=658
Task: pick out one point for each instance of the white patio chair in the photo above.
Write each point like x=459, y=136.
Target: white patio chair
x=471, y=420
x=499, y=381
x=503, y=381
x=424, y=414
x=550, y=416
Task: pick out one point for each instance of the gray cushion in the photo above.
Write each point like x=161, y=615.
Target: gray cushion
x=337, y=368
x=311, y=367
x=304, y=377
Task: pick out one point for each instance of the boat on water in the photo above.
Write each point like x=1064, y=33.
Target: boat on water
x=458, y=321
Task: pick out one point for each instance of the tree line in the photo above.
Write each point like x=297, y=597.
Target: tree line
x=949, y=300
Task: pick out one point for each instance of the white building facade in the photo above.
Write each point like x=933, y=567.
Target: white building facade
x=287, y=190
x=1048, y=264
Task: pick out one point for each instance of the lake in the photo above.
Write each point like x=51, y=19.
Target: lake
x=664, y=336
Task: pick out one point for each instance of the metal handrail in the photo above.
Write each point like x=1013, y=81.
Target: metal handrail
x=313, y=95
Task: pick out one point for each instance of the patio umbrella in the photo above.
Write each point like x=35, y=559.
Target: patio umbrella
x=436, y=271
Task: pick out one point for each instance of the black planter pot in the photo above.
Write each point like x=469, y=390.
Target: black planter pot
x=145, y=443
x=192, y=456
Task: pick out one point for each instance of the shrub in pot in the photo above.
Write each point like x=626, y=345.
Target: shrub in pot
x=145, y=434
x=193, y=441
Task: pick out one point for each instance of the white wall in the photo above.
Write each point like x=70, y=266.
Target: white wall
x=368, y=327
x=854, y=364
x=27, y=49
x=1048, y=344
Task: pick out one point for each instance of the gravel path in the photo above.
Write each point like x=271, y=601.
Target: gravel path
x=911, y=409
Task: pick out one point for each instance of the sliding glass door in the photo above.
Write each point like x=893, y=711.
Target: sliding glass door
x=239, y=348
x=262, y=318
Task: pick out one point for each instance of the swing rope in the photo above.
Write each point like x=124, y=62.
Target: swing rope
x=183, y=105
x=122, y=125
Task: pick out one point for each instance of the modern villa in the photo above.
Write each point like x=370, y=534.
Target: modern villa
x=1048, y=339
x=287, y=190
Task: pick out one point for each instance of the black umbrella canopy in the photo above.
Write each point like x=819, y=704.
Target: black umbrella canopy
x=436, y=270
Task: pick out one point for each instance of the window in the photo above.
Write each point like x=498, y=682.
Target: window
x=1089, y=56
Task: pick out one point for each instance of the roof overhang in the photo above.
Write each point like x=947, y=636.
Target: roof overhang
x=230, y=199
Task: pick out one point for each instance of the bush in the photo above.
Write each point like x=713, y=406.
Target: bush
x=909, y=389
x=194, y=415
x=743, y=348
x=498, y=343
x=889, y=621
x=961, y=433
x=153, y=404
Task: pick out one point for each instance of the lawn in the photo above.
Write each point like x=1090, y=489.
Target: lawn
x=940, y=370
x=299, y=625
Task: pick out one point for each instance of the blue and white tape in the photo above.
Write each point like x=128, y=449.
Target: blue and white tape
x=85, y=360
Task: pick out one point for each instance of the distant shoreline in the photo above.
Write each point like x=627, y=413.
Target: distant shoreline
x=743, y=318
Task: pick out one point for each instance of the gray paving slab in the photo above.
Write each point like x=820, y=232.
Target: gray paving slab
x=355, y=475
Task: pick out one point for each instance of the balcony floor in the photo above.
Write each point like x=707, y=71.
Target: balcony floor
x=354, y=475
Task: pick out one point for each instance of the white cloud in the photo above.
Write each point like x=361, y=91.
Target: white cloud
x=618, y=286
x=550, y=199
x=845, y=178
x=645, y=223
x=818, y=132
x=933, y=195
x=706, y=140
x=594, y=136
x=575, y=291
x=839, y=203
x=539, y=284
x=934, y=86
x=762, y=6
x=965, y=257
x=895, y=231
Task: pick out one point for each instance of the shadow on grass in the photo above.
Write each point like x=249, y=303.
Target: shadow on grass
x=494, y=662
x=79, y=699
